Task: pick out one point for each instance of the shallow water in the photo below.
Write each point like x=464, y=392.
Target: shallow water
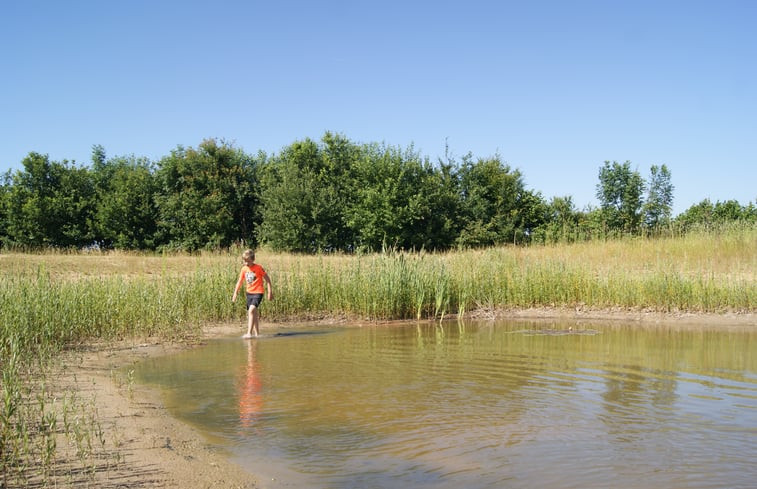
x=476, y=405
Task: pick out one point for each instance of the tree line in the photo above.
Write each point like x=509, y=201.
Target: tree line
x=327, y=195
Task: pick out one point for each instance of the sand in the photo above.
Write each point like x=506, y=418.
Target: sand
x=156, y=450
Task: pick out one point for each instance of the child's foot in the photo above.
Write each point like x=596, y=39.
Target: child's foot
x=247, y=336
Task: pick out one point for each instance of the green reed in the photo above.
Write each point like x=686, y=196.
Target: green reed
x=43, y=311
x=46, y=305
x=48, y=438
x=401, y=286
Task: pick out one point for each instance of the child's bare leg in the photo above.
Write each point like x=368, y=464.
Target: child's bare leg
x=255, y=320
x=251, y=313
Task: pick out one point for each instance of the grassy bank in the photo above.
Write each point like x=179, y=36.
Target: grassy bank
x=51, y=300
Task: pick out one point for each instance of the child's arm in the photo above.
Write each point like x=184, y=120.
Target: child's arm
x=236, y=289
x=269, y=287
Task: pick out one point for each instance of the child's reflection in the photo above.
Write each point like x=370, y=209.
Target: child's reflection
x=250, y=386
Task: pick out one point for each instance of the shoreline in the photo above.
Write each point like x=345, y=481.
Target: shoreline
x=157, y=450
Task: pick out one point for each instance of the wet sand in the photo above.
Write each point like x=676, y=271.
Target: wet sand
x=155, y=449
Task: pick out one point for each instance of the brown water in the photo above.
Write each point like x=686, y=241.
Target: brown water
x=476, y=405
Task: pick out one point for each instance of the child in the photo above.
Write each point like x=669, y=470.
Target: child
x=253, y=275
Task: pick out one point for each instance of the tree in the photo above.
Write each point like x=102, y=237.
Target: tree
x=620, y=191
x=441, y=224
x=206, y=197
x=305, y=196
x=401, y=201
x=5, y=189
x=28, y=221
x=493, y=201
x=700, y=214
x=126, y=213
x=561, y=221
x=73, y=207
x=336, y=182
x=707, y=215
x=659, y=204
x=50, y=204
x=337, y=195
x=729, y=211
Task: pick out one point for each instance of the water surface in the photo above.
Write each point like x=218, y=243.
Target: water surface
x=476, y=405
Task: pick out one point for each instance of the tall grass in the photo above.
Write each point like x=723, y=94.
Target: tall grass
x=48, y=301
x=46, y=306
x=702, y=273
x=48, y=437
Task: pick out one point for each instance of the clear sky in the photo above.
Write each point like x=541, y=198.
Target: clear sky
x=554, y=87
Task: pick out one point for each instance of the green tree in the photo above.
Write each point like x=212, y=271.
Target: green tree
x=336, y=195
x=401, y=201
x=532, y=213
x=706, y=215
x=729, y=211
x=658, y=207
x=5, y=189
x=440, y=226
x=304, y=197
x=620, y=193
x=750, y=212
x=700, y=214
x=560, y=223
x=126, y=212
x=495, y=206
x=50, y=204
x=336, y=187
x=28, y=221
x=206, y=197
x=74, y=206
x=283, y=202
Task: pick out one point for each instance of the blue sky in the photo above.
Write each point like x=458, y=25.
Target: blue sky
x=554, y=87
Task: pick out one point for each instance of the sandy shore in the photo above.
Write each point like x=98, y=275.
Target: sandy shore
x=156, y=450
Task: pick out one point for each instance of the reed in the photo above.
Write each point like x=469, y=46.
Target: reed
x=48, y=438
x=47, y=301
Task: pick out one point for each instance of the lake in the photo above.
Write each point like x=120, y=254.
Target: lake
x=507, y=404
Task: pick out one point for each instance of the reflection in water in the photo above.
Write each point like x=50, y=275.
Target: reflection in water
x=476, y=405
x=250, y=386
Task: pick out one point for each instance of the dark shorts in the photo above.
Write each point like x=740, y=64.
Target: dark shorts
x=254, y=300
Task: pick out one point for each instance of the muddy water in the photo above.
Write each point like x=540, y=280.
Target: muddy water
x=476, y=405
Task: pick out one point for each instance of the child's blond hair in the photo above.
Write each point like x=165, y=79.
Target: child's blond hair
x=248, y=255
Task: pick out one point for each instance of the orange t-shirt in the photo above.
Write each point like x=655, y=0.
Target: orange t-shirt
x=253, y=277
